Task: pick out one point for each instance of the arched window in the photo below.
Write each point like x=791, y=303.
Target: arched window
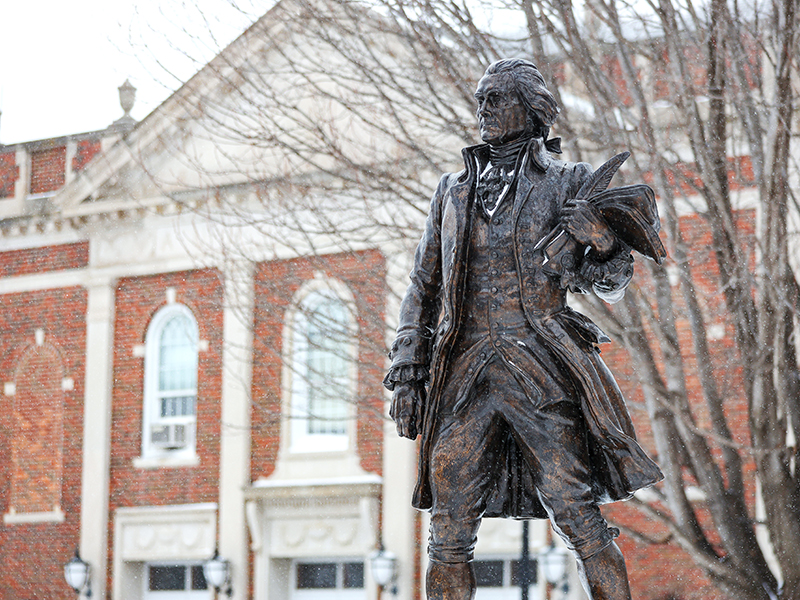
x=323, y=374
x=37, y=442
x=170, y=383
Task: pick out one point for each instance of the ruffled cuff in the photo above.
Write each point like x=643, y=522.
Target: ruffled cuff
x=410, y=349
x=609, y=277
x=405, y=374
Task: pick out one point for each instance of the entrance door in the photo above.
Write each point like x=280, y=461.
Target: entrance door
x=328, y=580
x=175, y=582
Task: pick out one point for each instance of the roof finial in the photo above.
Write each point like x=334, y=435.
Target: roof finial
x=127, y=97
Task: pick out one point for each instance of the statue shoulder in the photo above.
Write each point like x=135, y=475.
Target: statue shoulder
x=571, y=175
x=448, y=180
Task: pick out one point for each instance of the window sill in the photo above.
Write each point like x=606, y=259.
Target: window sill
x=305, y=445
x=166, y=461
x=14, y=518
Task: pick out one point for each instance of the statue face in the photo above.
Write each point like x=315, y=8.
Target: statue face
x=501, y=115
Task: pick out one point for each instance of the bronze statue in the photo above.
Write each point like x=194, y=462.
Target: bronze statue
x=518, y=414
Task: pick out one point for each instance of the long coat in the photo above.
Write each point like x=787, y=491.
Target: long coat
x=429, y=321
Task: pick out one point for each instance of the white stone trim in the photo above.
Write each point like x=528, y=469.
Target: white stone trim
x=52, y=516
x=96, y=455
x=304, y=521
x=143, y=534
x=159, y=462
x=235, y=432
x=9, y=388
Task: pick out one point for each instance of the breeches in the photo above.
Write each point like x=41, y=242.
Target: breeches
x=467, y=455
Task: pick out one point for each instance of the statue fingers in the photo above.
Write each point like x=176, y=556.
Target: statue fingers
x=403, y=410
x=406, y=427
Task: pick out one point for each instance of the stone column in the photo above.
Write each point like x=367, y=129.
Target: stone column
x=235, y=440
x=399, y=459
x=97, y=431
x=399, y=518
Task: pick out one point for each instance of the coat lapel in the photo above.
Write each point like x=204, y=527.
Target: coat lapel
x=534, y=157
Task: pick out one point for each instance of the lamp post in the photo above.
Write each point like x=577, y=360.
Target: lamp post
x=383, y=566
x=78, y=574
x=554, y=567
x=525, y=565
x=217, y=572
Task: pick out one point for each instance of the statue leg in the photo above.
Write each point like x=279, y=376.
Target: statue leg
x=553, y=441
x=450, y=581
x=463, y=462
x=604, y=576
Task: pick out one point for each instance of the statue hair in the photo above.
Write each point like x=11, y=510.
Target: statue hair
x=539, y=103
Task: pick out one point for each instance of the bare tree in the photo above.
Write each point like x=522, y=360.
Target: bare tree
x=348, y=113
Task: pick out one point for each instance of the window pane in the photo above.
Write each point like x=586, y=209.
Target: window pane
x=324, y=350
x=353, y=575
x=489, y=573
x=180, y=406
x=177, y=369
x=198, y=578
x=169, y=578
x=532, y=571
x=316, y=576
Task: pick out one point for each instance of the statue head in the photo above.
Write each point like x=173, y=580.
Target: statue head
x=513, y=100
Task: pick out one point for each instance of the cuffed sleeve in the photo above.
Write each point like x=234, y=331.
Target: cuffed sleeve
x=409, y=349
x=405, y=374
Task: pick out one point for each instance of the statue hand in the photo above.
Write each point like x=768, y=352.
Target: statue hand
x=408, y=400
x=580, y=219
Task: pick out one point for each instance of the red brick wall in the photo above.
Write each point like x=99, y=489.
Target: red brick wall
x=46, y=258
x=137, y=300
x=33, y=555
x=276, y=283
x=9, y=173
x=85, y=152
x=658, y=568
x=48, y=169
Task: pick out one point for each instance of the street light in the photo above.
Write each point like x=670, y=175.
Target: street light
x=383, y=566
x=217, y=572
x=554, y=566
x=78, y=574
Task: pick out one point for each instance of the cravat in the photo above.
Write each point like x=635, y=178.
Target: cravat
x=491, y=186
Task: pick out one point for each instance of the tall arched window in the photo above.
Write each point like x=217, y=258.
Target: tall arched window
x=37, y=442
x=170, y=383
x=323, y=373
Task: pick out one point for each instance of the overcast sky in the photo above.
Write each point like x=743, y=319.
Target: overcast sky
x=61, y=61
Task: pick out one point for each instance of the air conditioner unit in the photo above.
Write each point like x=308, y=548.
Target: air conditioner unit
x=169, y=436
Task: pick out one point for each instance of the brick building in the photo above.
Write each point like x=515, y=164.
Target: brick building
x=167, y=398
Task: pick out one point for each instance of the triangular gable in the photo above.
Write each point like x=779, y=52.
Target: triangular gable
x=321, y=118
x=122, y=172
